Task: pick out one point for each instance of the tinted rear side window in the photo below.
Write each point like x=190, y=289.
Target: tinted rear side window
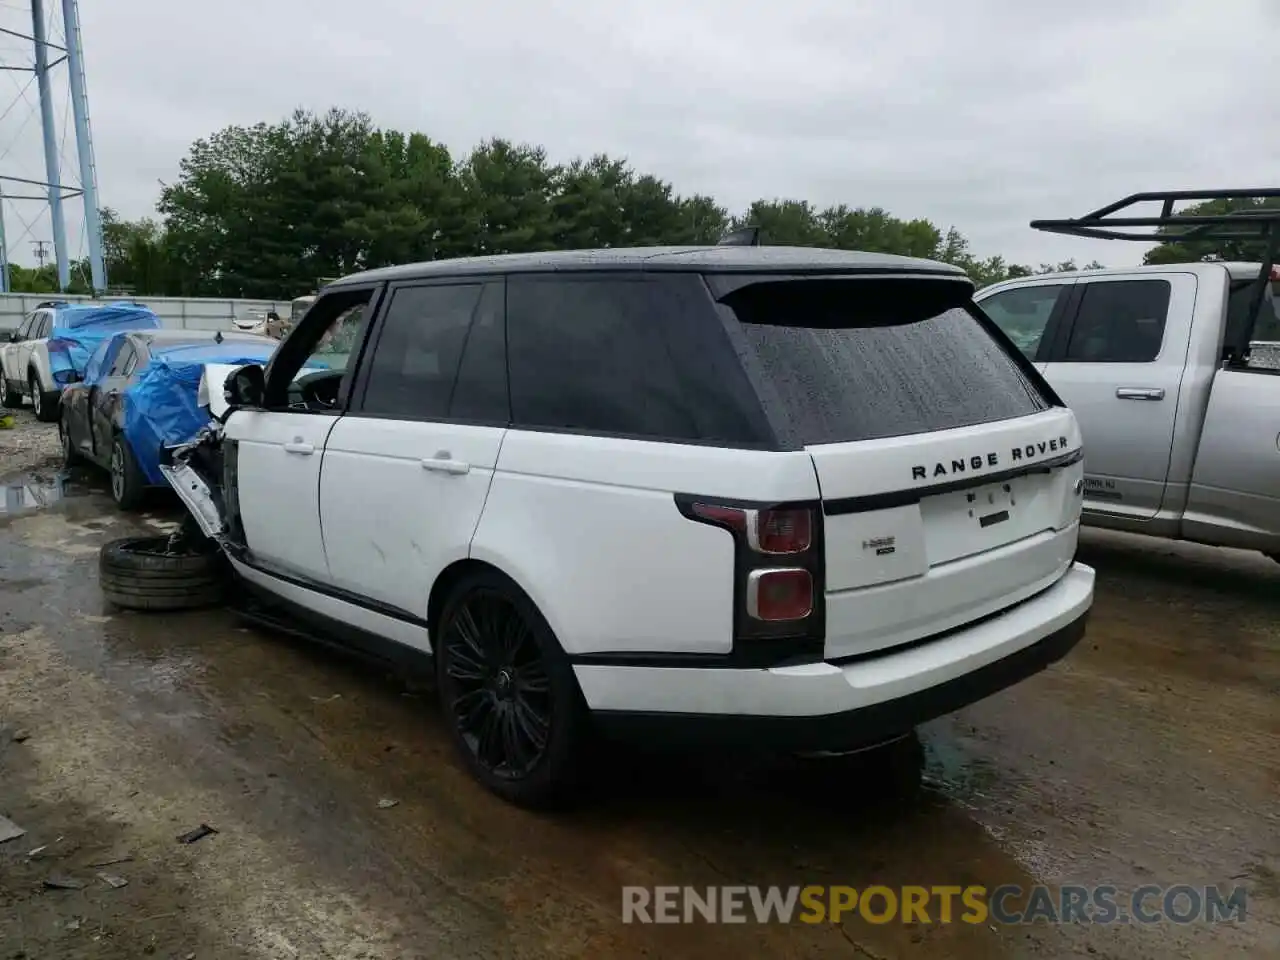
x=622, y=357
x=862, y=359
x=1120, y=321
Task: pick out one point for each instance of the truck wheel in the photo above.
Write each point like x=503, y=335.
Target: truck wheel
x=8, y=396
x=508, y=693
x=160, y=573
x=45, y=403
x=128, y=485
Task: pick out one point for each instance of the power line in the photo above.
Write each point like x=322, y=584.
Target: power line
x=41, y=252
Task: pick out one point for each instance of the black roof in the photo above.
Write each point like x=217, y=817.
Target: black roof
x=718, y=259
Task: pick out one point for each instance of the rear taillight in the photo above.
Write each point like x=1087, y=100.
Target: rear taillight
x=778, y=575
x=780, y=594
x=782, y=532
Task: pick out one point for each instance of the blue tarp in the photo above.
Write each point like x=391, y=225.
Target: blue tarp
x=79, y=330
x=160, y=407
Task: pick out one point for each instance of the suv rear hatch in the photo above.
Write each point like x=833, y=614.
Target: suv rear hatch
x=949, y=471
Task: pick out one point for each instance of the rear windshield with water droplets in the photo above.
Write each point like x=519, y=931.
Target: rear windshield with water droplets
x=836, y=360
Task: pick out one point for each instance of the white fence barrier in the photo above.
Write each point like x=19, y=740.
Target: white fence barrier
x=178, y=313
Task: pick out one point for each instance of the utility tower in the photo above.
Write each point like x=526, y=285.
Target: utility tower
x=64, y=50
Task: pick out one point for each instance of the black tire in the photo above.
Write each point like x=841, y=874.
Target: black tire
x=8, y=398
x=46, y=403
x=128, y=485
x=501, y=671
x=70, y=457
x=160, y=573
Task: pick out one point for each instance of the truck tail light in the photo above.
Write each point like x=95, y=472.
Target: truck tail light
x=778, y=575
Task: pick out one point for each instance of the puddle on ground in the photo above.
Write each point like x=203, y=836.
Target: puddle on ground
x=24, y=494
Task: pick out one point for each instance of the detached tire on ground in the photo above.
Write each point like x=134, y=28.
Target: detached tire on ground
x=157, y=573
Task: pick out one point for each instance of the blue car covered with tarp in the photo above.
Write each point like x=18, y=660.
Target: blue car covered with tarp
x=139, y=393
x=79, y=330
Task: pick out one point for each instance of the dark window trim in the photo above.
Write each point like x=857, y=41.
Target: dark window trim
x=1070, y=319
x=360, y=383
x=1054, y=344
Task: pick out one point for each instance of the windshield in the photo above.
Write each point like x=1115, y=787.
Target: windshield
x=856, y=359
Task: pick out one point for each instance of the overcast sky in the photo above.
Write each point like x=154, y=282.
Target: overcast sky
x=981, y=114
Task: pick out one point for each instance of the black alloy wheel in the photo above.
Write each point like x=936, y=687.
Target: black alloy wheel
x=508, y=693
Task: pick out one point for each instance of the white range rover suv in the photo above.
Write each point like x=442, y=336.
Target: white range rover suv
x=796, y=498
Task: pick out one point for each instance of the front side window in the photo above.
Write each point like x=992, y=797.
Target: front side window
x=24, y=331
x=1119, y=321
x=1023, y=313
x=338, y=342
x=591, y=355
x=123, y=362
x=415, y=363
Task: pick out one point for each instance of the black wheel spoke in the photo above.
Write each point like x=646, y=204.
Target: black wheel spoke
x=497, y=685
x=469, y=632
x=532, y=724
x=470, y=708
x=464, y=667
x=533, y=679
x=489, y=739
x=512, y=634
x=513, y=742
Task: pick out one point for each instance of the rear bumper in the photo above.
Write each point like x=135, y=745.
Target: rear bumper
x=827, y=706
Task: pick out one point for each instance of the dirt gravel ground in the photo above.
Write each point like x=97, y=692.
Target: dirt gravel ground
x=28, y=445
x=1151, y=755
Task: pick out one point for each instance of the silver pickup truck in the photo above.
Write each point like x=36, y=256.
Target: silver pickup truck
x=1173, y=372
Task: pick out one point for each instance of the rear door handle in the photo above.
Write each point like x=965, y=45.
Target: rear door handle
x=442, y=462
x=300, y=447
x=1140, y=393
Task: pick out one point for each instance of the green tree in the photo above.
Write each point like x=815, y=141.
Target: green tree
x=262, y=211
x=1190, y=251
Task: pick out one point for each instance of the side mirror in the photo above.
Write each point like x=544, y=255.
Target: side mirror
x=245, y=387
x=13, y=337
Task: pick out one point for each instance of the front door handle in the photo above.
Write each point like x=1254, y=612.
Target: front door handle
x=443, y=462
x=300, y=447
x=1140, y=393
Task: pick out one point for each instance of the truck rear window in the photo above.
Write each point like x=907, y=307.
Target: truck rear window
x=863, y=359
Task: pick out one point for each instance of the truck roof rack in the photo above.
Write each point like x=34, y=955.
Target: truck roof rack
x=1171, y=227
